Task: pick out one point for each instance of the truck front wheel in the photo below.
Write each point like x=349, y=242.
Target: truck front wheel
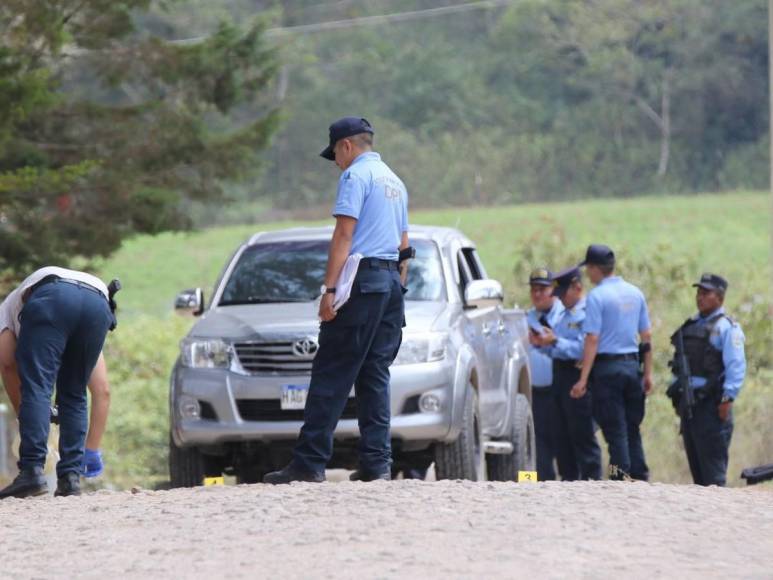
x=464, y=458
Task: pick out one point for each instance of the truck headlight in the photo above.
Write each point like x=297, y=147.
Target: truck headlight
x=422, y=348
x=205, y=354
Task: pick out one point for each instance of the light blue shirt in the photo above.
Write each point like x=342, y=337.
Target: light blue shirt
x=727, y=337
x=616, y=312
x=568, y=331
x=540, y=363
x=372, y=194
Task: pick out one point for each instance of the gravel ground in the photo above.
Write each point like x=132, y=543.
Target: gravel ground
x=413, y=529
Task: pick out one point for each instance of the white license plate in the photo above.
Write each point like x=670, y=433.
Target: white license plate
x=294, y=397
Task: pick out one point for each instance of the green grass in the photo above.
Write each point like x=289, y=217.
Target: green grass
x=663, y=244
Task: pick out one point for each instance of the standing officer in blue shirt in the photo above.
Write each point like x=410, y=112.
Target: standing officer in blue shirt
x=564, y=344
x=615, y=313
x=714, y=348
x=359, y=342
x=541, y=317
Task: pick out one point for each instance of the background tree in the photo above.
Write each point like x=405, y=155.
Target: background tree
x=107, y=130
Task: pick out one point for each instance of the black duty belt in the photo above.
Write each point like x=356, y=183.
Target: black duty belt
x=54, y=278
x=378, y=264
x=562, y=363
x=617, y=357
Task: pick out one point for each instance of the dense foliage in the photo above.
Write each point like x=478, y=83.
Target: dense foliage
x=107, y=130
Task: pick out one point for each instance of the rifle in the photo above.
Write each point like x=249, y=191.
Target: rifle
x=681, y=387
x=757, y=474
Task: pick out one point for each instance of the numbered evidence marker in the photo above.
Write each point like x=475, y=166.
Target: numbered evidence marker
x=214, y=481
x=527, y=477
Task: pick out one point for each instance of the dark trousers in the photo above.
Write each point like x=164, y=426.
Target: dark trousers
x=355, y=348
x=63, y=328
x=574, y=429
x=618, y=407
x=707, y=442
x=543, y=410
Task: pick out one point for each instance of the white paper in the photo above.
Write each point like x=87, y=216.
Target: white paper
x=346, y=280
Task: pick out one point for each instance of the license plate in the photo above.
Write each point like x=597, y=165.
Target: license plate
x=294, y=397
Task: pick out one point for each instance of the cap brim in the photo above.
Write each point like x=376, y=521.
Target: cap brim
x=541, y=283
x=583, y=263
x=559, y=291
x=705, y=286
x=328, y=154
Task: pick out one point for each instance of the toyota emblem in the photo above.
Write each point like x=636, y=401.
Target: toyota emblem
x=306, y=347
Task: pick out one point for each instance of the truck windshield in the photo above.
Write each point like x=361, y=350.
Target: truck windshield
x=293, y=272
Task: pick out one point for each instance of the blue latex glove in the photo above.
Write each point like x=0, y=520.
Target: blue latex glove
x=92, y=463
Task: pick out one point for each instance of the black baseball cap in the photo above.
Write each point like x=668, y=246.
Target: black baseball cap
x=710, y=281
x=598, y=255
x=541, y=277
x=343, y=128
x=565, y=278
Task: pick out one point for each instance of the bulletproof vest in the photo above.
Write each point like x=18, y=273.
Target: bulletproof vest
x=704, y=360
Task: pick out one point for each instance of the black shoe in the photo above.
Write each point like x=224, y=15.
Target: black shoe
x=30, y=482
x=363, y=476
x=290, y=474
x=68, y=484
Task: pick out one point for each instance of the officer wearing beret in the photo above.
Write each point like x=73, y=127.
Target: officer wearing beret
x=541, y=317
x=617, y=329
x=714, y=349
x=564, y=344
x=358, y=342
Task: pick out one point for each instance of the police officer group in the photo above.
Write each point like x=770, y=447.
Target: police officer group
x=591, y=362
x=590, y=356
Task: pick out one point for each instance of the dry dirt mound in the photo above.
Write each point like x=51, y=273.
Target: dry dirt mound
x=393, y=529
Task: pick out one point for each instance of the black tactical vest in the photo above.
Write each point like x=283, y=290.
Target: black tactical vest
x=704, y=360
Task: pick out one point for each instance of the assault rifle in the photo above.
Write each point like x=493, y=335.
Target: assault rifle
x=680, y=391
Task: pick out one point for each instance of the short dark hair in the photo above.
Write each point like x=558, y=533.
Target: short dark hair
x=606, y=269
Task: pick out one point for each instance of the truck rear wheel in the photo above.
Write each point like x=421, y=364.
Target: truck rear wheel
x=186, y=466
x=523, y=457
x=464, y=458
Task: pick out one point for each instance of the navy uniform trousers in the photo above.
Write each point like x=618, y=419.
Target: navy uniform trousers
x=618, y=407
x=355, y=348
x=707, y=441
x=63, y=329
x=543, y=409
x=578, y=452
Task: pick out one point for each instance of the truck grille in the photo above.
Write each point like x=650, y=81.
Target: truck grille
x=277, y=358
x=271, y=410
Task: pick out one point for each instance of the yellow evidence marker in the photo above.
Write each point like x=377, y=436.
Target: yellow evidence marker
x=527, y=477
x=214, y=481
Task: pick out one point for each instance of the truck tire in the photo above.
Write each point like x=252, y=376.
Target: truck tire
x=186, y=466
x=464, y=458
x=523, y=457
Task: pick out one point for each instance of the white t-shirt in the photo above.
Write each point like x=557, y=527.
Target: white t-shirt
x=12, y=305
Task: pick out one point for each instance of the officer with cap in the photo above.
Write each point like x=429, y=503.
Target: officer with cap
x=617, y=330
x=564, y=344
x=358, y=342
x=713, y=346
x=541, y=317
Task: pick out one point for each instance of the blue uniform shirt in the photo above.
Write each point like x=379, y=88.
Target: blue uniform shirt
x=540, y=362
x=372, y=194
x=616, y=312
x=568, y=331
x=728, y=338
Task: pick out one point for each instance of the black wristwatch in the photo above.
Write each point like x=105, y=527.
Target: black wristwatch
x=726, y=399
x=325, y=290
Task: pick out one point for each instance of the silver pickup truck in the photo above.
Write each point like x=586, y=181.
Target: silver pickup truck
x=460, y=386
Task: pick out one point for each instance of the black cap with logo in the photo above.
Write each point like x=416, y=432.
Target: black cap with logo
x=541, y=277
x=713, y=282
x=564, y=279
x=342, y=129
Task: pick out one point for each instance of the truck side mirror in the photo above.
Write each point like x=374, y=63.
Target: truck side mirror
x=483, y=294
x=190, y=302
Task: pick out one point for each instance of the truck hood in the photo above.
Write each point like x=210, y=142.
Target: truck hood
x=275, y=320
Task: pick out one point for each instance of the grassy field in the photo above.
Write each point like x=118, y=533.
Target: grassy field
x=663, y=244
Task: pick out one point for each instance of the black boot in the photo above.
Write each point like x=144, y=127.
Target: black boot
x=364, y=476
x=290, y=474
x=68, y=484
x=30, y=482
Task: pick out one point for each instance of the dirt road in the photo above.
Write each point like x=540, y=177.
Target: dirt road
x=390, y=530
